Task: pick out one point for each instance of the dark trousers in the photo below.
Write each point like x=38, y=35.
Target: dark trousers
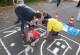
x=20, y=18
x=58, y=2
x=54, y=33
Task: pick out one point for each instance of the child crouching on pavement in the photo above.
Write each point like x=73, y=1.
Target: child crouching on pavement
x=32, y=37
x=34, y=23
x=46, y=15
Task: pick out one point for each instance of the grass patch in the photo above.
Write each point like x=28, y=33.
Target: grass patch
x=5, y=3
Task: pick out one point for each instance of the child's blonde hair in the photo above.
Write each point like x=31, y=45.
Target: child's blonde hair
x=44, y=13
x=25, y=38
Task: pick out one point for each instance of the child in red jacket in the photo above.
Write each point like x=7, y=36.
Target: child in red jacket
x=31, y=36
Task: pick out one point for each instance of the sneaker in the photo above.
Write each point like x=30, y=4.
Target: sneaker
x=55, y=34
x=77, y=19
x=16, y=23
x=22, y=34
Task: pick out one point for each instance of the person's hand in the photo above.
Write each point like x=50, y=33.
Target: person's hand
x=45, y=37
x=23, y=42
x=32, y=44
x=13, y=3
x=30, y=24
x=35, y=25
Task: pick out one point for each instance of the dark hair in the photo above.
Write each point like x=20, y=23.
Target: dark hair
x=44, y=21
x=37, y=15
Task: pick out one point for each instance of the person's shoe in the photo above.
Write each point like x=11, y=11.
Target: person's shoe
x=22, y=34
x=77, y=19
x=16, y=23
x=55, y=34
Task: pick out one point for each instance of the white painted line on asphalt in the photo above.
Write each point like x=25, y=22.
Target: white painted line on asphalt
x=41, y=51
x=10, y=33
x=26, y=50
x=69, y=39
x=8, y=28
x=20, y=52
x=5, y=47
x=77, y=52
x=48, y=48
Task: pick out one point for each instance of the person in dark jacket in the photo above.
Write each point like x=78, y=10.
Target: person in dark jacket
x=58, y=2
x=25, y=14
x=78, y=6
x=46, y=15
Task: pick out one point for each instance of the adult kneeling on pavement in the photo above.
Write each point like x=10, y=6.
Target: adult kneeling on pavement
x=25, y=14
x=52, y=24
x=31, y=36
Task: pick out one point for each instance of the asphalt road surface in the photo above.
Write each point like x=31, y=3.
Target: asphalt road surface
x=63, y=44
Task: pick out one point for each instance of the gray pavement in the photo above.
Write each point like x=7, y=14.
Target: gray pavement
x=63, y=44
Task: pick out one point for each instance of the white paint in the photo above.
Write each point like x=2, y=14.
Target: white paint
x=18, y=28
x=12, y=44
x=58, y=43
x=26, y=45
x=55, y=50
x=20, y=52
x=10, y=33
x=5, y=47
x=8, y=28
x=63, y=46
x=77, y=53
x=43, y=32
x=55, y=42
x=26, y=50
x=27, y=26
x=72, y=41
x=43, y=26
x=41, y=51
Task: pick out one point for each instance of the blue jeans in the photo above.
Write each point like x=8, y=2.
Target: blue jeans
x=20, y=18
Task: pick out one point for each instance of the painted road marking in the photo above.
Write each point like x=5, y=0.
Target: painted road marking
x=41, y=51
x=26, y=50
x=37, y=29
x=63, y=46
x=12, y=44
x=55, y=50
x=72, y=41
x=53, y=43
x=20, y=52
x=41, y=31
x=58, y=43
x=5, y=47
x=8, y=28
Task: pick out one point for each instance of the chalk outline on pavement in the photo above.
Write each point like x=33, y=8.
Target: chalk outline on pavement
x=72, y=41
x=5, y=47
x=16, y=25
x=54, y=42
